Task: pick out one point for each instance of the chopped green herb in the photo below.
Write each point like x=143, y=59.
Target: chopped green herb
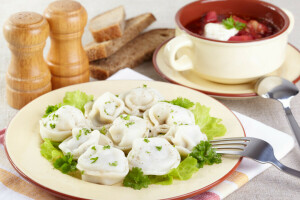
x=229, y=23
x=106, y=112
x=52, y=125
x=65, y=164
x=94, y=159
x=103, y=130
x=175, y=123
x=117, y=95
x=50, y=109
x=205, y=154
x=158, y=147
x=136, y=179
x=146, y=140
x=78, y=135
x=107, y=102
x=86, y=131
x=106, y=147
x=82, y=172
x=127, y=117
x=148, y=152
x=114, y=164
x=94, y=148
x=54, y=116
x=144, y=85
x=129, y=124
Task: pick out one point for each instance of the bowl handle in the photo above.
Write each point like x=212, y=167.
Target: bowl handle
x=291, y=18
x=184, y=62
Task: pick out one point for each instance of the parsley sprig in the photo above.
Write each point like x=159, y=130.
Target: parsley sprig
x=230, y=23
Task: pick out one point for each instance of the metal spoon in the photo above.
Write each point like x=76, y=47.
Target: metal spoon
x=282, y=90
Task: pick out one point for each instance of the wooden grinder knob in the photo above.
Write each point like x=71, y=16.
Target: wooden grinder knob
x=28, y=75
x=67, y=60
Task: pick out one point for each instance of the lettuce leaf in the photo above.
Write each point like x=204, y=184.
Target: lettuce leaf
x=211, y=126
x=182, y=102
x=184, y=171
x=49, y=151
x=166, y=179
x=77, y=99
x=136, y=179
x=205, y=154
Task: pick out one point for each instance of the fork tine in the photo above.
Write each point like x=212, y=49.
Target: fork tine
x=239, y=153
x=230, y=143
x=231, y=147
x=230, y=139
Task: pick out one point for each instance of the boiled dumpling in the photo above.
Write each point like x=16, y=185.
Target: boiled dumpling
x=185, y=137
x=105, y=109
x=127, y=128
x=81, y=139
x=103, y=164
x=180, y=116
x=162, y=116
x=155, y=156
x=58, y=125
x=140, y=99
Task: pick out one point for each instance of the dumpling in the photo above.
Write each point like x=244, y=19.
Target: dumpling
x=81, y=139
x=162, y=116
x=58, y=125
x=105, y=109
x=180, y=116
x=155, y=156
x=185, y=137
x=127, y=128
x=140, y=99
x=103, y=164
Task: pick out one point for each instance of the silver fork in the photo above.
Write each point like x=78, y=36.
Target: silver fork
x=254, y=148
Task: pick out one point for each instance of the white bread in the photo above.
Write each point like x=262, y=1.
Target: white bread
x=132, y=54
x=108, y=25
x=133, y=28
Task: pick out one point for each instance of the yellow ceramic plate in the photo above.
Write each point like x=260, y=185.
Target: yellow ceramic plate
x=22, y=143
x=290, y=70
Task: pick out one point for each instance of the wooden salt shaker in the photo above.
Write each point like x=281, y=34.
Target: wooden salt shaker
x=67, y=60
x=28, y=75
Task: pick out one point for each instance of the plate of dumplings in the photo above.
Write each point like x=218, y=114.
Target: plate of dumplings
x=117, y=127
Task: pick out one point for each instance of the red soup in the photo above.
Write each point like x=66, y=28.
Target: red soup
x=247, y=28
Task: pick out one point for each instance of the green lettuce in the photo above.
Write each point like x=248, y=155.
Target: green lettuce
x=205, y=154
x=77, y=99
x=211, y=126
x=52, y=153
x=182, y=102
x=184, y=171
x=49, y=151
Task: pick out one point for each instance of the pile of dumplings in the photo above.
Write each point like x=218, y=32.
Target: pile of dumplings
x=152, y=133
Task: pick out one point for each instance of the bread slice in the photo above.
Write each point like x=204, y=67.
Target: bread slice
x=108, y=25
x=133, y=28
x=132, y=54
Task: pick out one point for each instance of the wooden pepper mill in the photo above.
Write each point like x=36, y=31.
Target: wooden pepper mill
x=67, y=60
x=28, y=75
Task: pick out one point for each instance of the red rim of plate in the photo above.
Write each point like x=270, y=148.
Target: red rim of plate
x=216, y=94
x=184, y=196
